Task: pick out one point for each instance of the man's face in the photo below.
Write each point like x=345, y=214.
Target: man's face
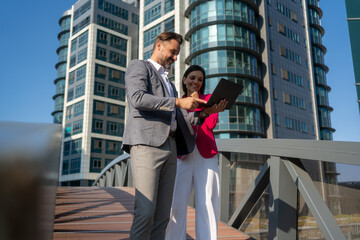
x=168, y=53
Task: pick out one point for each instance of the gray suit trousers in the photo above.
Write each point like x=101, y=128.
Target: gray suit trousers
x=154, y=170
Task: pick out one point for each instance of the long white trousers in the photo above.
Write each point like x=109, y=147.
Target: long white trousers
x=202, y=174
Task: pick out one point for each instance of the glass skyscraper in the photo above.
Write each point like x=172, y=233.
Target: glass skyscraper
x=60, y=66
x=102, y=38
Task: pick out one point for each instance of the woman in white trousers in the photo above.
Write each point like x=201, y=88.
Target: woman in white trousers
x=198, y=170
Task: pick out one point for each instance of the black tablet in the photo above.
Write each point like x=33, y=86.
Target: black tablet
x=225, y=89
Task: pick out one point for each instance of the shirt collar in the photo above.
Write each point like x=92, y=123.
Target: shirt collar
x=158, y=67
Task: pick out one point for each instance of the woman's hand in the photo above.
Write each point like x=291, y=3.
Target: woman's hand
x=220, y=107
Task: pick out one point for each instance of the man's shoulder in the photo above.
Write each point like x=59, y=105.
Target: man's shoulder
x=137, y=62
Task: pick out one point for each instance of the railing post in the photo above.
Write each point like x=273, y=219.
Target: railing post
x=224, y=170
x=282, y=202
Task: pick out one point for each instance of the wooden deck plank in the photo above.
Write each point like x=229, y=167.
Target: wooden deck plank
x=107, y=213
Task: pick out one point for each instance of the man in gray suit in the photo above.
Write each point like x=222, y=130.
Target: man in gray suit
x=157, y=130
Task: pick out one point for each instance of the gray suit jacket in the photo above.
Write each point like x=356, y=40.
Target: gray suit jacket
x=150, y=111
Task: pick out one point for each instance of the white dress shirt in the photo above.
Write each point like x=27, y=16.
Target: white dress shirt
x=163, y=73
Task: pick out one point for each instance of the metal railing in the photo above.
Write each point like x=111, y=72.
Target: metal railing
x=282, y=175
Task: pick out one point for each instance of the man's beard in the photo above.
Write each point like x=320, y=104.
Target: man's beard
x=167, y=63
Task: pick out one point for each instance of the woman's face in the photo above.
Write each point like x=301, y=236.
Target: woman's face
x=194, y=81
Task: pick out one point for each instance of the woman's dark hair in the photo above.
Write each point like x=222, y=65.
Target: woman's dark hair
x=188, y=71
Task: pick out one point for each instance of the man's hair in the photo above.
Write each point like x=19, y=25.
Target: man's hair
x=167, y=36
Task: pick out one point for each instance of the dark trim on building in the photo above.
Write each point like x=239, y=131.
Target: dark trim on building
x=327, y=87
x=235, y=22
x=255, y=79
x=323, y=66
x=62, y=33
x=326, y=106
x=252, y=52
x=322, y=47
x=316, y=8
x=60, y=63
x=60, y=48
x=194, y=4
x=318, y=27
x=57, y=95
x=328, y=128
x=58, y=79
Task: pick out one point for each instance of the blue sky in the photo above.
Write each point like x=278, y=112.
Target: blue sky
x=28, y=56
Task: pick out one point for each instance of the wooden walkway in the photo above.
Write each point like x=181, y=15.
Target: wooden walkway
x=107, y=213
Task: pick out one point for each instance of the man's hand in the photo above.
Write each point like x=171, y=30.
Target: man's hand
x=189, y=103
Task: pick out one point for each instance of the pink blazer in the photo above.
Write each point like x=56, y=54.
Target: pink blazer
x=205, y=140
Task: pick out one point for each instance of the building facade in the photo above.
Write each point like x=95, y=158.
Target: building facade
x=353, y=18
x=274, y=49
x=103, y=38
x=60, y=66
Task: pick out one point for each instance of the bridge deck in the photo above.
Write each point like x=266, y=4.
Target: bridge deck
x=106, y=213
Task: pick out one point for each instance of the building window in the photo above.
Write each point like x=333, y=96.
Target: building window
x=80, y=90
x=273, y=69
x=72, y=61
x=293, y=16
x=135, y=18
x=70, y=94
x=101, y=37
x=99, y=89
x=95, y=164
x=67, y=132
x=113, y=9
x=114, y=109
x=286, y=98
x=69, y=112
x=169, y=6
x=276, y=117
x=118, y=43
x=76, y=146
x=83, y=39
x=73, y=45
x=118, y=59
x=169, y=25
x=281, y=28
x=75, y=165
x=152, y=14
x=275, y=94
x=284, y=74
x=100, y=71
x=65, y=167
x=282, y=51
x=77, y=127
x=270, y=21
x=151, y=34
x=98, y=144
x=78, y=108
x=71, y=77
x=101, y=53
x=100, y=106
x=81, y=10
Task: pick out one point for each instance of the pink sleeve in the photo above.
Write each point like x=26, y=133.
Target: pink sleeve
x=211, y=121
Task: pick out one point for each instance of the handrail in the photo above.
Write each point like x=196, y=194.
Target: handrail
x=110, y=168
x=329, y=151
